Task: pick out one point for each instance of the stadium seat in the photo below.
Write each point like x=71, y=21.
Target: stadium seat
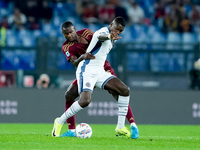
x=79, y=26
x=53, y=33
x=26, y=59
x=46, y=29
x=93, y=27
x=165, y=62
x=25, y=38
x=187, y=8
x=3, y=12
x=151, y=30
x=63, y=64
x=59, y=9
x=11, y=39
x=188, y=39
x=9, y=60
x=173, y=37
x=37, y=33
x=126, y=35
x=27, y=41
x=137, y=61
x=138, y=33
x=18, y=59
x=56, y=21
x=158, y=39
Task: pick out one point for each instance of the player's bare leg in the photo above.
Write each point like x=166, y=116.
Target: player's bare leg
x=122, y=90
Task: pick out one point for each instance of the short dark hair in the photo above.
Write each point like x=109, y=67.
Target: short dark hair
x=120, y=20
x=67, y=24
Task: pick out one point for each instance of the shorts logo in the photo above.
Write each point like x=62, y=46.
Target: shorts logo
x=67, y=53
x=88, y=84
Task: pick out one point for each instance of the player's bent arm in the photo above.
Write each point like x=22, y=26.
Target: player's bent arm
x=75, y=61
x=108, y=36
x=103, y=36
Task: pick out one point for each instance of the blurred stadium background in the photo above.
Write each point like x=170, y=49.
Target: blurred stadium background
x=157, y=57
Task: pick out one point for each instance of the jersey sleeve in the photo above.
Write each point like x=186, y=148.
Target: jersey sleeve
x=69, y=50
x=93, y=41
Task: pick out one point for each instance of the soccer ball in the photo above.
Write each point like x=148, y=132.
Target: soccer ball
x=83, y=130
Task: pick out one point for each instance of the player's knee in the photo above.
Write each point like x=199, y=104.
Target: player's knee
x=125, y=91
x=86, y=102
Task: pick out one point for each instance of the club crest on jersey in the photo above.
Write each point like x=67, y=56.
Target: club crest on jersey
x=88, y=84
x=67, y=53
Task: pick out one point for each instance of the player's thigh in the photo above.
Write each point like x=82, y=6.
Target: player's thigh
x=86, y=81
x=103, y=79
x=117, y=85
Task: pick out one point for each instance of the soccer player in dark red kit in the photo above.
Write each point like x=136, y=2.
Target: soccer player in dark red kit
x=74, y=49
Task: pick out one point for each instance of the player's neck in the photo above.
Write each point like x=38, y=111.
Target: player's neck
x=76, y=39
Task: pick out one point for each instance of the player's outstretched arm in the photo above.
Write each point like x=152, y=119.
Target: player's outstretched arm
x=75, y=61
x=104, y=36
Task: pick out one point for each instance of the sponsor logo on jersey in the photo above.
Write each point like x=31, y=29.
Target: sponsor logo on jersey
x=67, y=53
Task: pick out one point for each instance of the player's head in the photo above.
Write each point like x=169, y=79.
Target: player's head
x=118, y=25
x=69, y=31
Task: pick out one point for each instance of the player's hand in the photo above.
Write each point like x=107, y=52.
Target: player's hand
x=88, y=56
x=114, y=36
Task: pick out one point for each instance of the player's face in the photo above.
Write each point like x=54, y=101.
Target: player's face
x=117, y=28
x=69, y=33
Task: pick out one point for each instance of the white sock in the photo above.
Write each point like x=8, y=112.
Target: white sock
x=123, y=102
x=73, y=130
x=72, y=110
x=133, y=124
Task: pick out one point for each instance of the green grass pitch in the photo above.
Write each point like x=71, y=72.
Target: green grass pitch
x=152, y=137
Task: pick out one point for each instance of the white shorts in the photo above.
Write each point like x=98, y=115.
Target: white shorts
x=86, y=81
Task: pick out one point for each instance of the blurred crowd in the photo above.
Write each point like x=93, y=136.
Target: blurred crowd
x=26, y=14
x=46, y=16
x=22, y=22
x=170, y=15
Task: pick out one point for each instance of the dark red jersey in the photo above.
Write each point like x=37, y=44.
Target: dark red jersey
x=77, y=49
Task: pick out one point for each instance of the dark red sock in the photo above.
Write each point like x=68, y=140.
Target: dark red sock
x=129, y=115
x=71, y=121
